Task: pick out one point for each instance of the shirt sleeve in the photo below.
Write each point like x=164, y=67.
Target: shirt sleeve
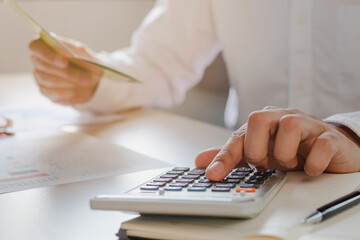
x=168, y=54
x=350, y=120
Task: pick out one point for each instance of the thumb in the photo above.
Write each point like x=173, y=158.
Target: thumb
x=204, y=158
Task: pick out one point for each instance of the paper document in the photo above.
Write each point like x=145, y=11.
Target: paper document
x=32, y=161
x=55, y=44
x=29, y=118
x=281, y=219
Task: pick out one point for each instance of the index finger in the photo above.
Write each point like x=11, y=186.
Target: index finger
x=228, y=157
x=42, y=51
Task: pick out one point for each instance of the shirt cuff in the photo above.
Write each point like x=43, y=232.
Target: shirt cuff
x=114, y=94
x=350, y=120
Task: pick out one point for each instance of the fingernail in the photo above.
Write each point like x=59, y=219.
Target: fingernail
x=217, y=168
x=60, y=62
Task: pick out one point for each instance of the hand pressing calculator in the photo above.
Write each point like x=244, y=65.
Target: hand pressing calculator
x=244, y=193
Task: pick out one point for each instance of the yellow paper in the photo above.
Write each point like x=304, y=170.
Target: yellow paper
x=57, y=45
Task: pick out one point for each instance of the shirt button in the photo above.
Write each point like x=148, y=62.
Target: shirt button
x=300, y=20
x=300, y=85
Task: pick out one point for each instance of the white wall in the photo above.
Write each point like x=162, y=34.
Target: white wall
x=102, y=25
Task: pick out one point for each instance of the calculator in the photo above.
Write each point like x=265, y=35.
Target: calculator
x=244, y=193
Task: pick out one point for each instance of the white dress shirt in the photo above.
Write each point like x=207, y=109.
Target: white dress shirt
x=289, y=53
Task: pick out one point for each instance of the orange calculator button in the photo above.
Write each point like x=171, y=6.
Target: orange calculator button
x=245, y=189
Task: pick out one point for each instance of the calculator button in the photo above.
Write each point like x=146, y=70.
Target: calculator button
x=205, y=181
x=232, y=181
x=225, y=185
x=183, y=169
x=220, y=189
x=244, y=170
x=175, y=172
x=149, y=188
x=184, y=180
x=235, y=177
x=258, y=178
x=190, y=177
x=196, y=189
x=162, y=180
x=201, y=185
x=245, y=189
x=159, y=184
x=261, y=174
x=255, y=181
x=249, y=185
x=178, y=184
x=239, y=173
x=197, y=171
x=168, y=176
x=173, y=189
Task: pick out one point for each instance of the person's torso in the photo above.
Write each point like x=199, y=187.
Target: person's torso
x=291, y=53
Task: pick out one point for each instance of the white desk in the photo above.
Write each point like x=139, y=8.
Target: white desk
x=63, y=212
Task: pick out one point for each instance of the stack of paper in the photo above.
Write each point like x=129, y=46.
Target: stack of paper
x=45, y=116
x=31, y=161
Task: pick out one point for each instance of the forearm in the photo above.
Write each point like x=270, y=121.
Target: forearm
x=168, y=54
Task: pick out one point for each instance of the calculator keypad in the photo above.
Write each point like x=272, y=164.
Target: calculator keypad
x=243, y=180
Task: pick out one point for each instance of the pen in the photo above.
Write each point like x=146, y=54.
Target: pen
x=333, y=208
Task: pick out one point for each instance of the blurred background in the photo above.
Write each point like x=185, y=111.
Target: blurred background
x=102, y=25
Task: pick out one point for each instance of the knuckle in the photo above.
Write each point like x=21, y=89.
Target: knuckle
x=257, y=117
x=281, y=157
x=270, y=107
x=237, y=134
x=326, y=143
x=293, y=110
x=290, y=122
x=254, y=156
x=33, y=44
x=225, y=156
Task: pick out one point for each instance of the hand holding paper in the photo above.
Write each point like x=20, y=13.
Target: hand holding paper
x=64, y=81
x=65, y=70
